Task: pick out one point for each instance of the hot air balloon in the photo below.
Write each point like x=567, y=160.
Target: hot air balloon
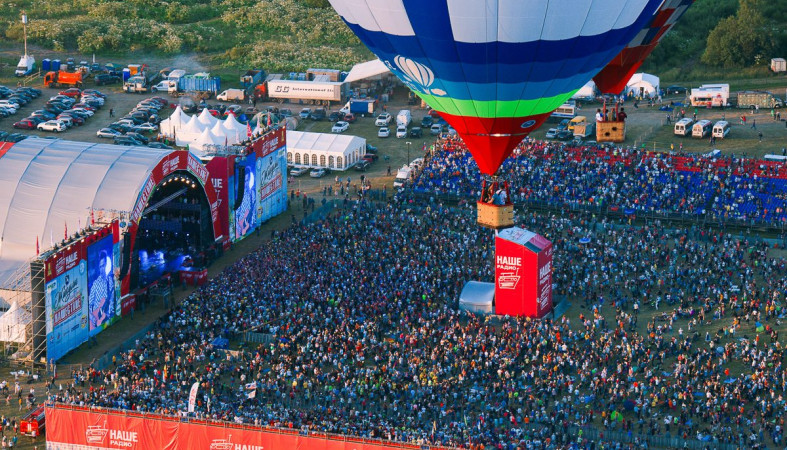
x=495, y=69
x=613, y=78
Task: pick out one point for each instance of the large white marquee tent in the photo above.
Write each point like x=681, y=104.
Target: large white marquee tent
x=324, y=150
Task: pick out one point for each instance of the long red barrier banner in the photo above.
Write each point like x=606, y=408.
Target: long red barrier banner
x=79, y=428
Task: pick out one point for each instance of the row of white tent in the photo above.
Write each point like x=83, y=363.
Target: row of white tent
x=198, y=132
x=641, y=84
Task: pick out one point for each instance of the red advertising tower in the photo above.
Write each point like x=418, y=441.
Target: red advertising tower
x=523, y=273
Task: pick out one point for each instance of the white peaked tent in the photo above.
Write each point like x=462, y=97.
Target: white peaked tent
x=219, y=130
x=205, y=139
x=235, y=131
x=586, y=92
x=643, y=84
x=207, y=119
x=13, y=324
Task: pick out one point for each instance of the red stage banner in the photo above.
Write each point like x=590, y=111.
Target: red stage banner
x=269, y=143
x=64, y=260
x=69, y=427
x=523, y=273
x=194, y=277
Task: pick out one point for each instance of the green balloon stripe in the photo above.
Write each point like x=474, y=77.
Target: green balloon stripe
x=492, y=109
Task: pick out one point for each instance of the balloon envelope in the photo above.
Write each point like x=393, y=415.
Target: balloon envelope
x=495, y=69
x=612, y=79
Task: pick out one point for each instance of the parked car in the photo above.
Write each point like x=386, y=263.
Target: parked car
x=159, y=145
x=349, y=117
x=436, y=129
x=564, y=135
x=551, y=133
x=340, y=127
x=383, y=119
x=415, y=132
x=317, y=114
x=427, y=121
x=317, y=173
x=284, y=112
x=105, y=78
x=298, y=171
x=52, y=125
x=362, y=165
x=15, y=137
x=146, y=127
x=29, y=123
x=137, y=136
x=675, y=89
x=305, y=113
x=108, y=133
x=75, y=119
x=563, y=125
x=72, y=92
x=401, y=131
x=127, y=140
x=335, y=116
x=370, y=157
x=383, y=132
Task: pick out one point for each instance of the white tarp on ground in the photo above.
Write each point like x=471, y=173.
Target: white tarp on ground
x=13, y=324
x=334, y=151
x=643, y=84
x=477, y=297
x=49, y=185
x=366, y=70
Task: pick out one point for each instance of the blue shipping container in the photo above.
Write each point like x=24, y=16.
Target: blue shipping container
x=200, y=84
x=46, y=65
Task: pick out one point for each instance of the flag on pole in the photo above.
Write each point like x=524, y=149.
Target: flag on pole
x=248, y=129
x=92, y=217
x=193, y=396
x=65, y=231
x=251, y=390
x=51, y=238
x=38, y=252
x=270, y=122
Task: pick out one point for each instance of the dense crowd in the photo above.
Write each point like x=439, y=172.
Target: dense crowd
x=623, y=179
x=367, y=338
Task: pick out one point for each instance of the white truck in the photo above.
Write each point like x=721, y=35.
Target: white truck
x=26, y=66
x=231, y=95
x=402, y=175
x=710, y=95
x=314, y=92
x=403, y=118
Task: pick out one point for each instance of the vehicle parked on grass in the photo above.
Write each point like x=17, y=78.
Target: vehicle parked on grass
x=340, y=127
x=362, y=165
x=436, y=129
x=305, y=113
x=383, y=132
x=29, y=123
x=401, y=131
x=383, y=119
x=298, y=171
x=107, y=133
x=57, y=126
x=415, y=132
x=318, y=173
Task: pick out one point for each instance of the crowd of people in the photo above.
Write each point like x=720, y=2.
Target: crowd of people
x=670, y=332
x=623, y=179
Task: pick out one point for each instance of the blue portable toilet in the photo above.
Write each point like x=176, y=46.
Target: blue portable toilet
x=126, y=74
x=46, y=65
x=293, y=75
x=55, y=65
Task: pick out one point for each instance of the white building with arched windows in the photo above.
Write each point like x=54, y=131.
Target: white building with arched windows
x=315, y=150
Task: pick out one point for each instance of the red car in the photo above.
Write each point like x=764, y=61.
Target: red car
x=72, y=92
x=76, y=120
x=349, y=117
x=27, y=124
x=434, y=114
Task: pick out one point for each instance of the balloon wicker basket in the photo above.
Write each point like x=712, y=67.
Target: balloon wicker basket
x=610, y=131
x=495, y=217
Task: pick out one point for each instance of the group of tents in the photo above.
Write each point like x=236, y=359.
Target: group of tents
x=204, y=131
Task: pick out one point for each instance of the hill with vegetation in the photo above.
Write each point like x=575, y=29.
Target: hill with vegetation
x=714, y=39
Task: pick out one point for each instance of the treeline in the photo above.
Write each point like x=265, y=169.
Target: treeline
x=278, y=35
x=722, y=39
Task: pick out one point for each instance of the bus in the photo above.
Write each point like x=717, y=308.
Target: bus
x=701, y=129
x=683, y=127
x=721, y=129
x=565, y=111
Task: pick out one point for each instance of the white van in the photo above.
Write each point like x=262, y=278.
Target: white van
x=403, y=118
x=683, y=127
x=401, y=131
x=402, y=176
x=701, y=129
x=721, y=129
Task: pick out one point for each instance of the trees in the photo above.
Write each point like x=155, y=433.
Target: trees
x=740, y=40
